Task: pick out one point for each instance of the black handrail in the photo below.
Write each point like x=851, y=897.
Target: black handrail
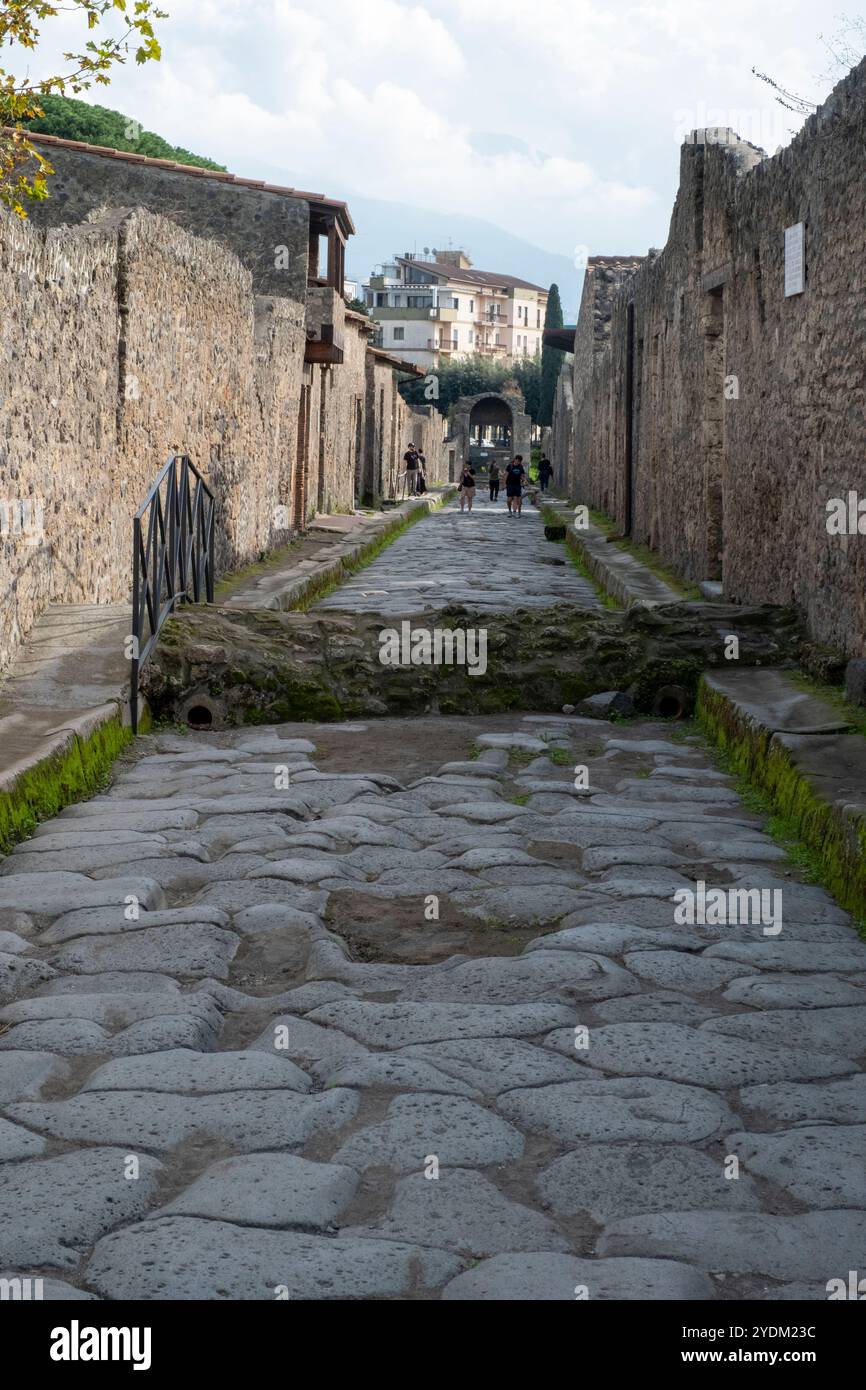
x=172, y=557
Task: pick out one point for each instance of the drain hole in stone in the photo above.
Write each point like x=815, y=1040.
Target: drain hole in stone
x=673, y=702
x=200, y=717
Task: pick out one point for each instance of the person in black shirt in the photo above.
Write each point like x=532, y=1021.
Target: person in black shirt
x=467, y=486
x=514, y=475
x=493, y=478
x=545, y=472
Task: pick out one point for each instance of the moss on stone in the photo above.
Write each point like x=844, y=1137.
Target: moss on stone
x=77, y=773
x=685, y=672
x=816, y=834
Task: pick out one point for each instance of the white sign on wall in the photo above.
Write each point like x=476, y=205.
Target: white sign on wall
x=795, y=259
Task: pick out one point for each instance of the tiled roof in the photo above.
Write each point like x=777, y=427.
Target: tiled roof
x=388, y=361
x=195, y=172
x=484, y=279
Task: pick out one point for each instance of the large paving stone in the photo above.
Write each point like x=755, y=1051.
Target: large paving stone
x=98, y=921
x=609, y=1181
x=551, y=1277
x=822, y=1166
x=50, y=1290
x=400, y=1025
x=527, y=743
x=269, y=1189
x=238, y=895
x=56, y=1208
x=17, y=1142
x=493, y=1065
x=19, y=973
x=656, y=1006
x=695, y=974
x=251, y=1120
x=612, y=939
x=193, y=951
x=65, y=1037
x=614, y=856
x=456, y=1131
x=793, y=955
x=289, y=1036
x=794, y=992
x=695, y=1056
x=831, y=1102
x=397, y=1071
x=618, y=1108
x=521, y=979
x=23, y=1074
x=531, y=906
x=199, y=1073
x=111, y=1010
x=182, y=1258
x=53, y=893
x=816, y=1246
x=462, y=1210
x=836, y=1030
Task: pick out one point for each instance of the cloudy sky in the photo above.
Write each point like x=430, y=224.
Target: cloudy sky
x=557, y=119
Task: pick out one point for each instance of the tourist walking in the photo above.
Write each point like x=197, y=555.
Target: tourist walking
x=467, y=487
x=545, y=473
x=411, y=460
x=514, y=476
x=493, y=479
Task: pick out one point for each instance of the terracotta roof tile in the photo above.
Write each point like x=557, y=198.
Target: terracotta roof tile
x=194, y=171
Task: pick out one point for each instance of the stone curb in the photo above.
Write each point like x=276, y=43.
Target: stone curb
x=797, y=749
x=342, y=558
x=619, y=574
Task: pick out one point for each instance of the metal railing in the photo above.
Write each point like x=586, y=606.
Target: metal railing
x=172, y=557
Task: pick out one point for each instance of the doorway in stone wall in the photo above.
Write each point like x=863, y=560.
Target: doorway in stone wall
x=323, y=419
x=713, y=430
x=299, y=494
x=359, y=453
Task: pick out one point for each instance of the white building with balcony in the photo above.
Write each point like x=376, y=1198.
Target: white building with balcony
x=427, y=310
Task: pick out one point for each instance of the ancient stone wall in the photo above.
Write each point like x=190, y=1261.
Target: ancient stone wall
x=746, y=404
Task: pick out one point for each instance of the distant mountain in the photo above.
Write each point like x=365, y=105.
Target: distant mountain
x=384, y=228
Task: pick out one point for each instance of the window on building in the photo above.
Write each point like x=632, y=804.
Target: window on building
x=538, y=319
x=399, y=335
x=472, y=306
x=471, y=337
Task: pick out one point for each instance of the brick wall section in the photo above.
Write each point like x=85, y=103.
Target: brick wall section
x=737, y=488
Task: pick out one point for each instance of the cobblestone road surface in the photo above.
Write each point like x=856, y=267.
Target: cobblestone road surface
x=237, y=1043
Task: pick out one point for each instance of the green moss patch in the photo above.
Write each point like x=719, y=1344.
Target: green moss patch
x=77, y=773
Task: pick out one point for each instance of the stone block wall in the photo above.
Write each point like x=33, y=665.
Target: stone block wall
x=746, y=406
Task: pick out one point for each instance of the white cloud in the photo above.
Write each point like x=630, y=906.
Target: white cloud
x=383, y=97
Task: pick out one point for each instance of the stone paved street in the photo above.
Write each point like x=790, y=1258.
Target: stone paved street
x=262, y=991
x=467, y=558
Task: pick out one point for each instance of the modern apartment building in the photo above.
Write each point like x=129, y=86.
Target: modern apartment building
x=428, y=310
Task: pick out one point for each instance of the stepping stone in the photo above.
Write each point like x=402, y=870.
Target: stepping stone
x=609, y=1181
x=831, y=1102
x=400, y=1025
x=199, y=1073
x=54, y=1209
x=527, y=742
x=149, y=1120
x=182, y=1258
x=822, y=1166
x=694, y=1056
x=463, y=1211
x=456, y=1131
x=817, y=1246
x=275, y=1190
x=618, y=1108
x=557, y=1278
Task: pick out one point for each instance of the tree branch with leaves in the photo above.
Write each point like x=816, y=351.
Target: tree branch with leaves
x=24, y=170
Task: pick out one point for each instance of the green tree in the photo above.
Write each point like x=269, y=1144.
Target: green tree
x=551, y=359
x=120, y=27
x=99, y=125
x=469, y=376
